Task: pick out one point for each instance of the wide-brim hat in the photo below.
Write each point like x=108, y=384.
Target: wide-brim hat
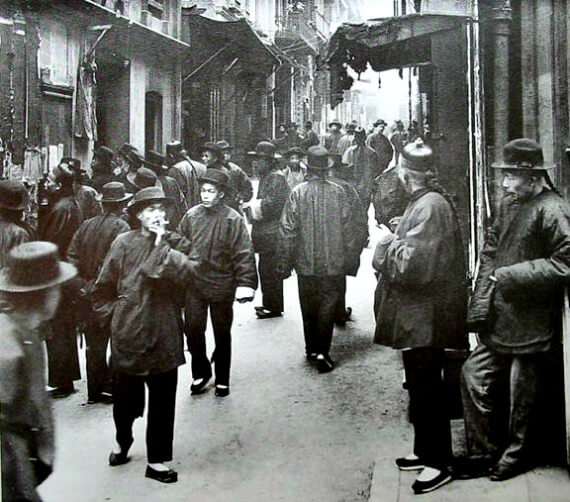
x=522, y=154
x=211, y=147
x=294, y=150
x=266, y=150
x=114, y=191
x=143, y=177
x=72, y=162
x=104, y=153
x=126, y=148
x=318, y=158
x=155, y=161
x=147, y=196
x=174, y=147
x=34, y=266
x=135, y=159
x=380, y=122
x=216, y=177
x=224, y=145
x=13, y=195
x=335, y=122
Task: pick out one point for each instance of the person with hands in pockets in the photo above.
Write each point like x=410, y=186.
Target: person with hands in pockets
x=220, y=243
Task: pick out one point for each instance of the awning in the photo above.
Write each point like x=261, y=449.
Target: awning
x=388, y=43
x=210, y=38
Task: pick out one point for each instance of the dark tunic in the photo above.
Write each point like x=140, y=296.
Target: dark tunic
x=424, y=297
x=11, y=235
x=187, y=178
x=241, y=189
x=86, y=198
x=179, y=206
x=143, y=304
x=220, y=243
x=390, y=198
x=61, y=223
x=364, y=165
x=383, y=148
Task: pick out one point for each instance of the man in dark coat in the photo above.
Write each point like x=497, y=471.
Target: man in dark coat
x=186, y=172
x=221, y=244
x=265, y=211
x=331, y=140
x=102, y=167
x=310, y=137
x=389, y=197
x=399, y=138
x=13, y=230
x=295, y=170
x=239, y=182
x=60, y=224
x=316, y=239
x=381, y=145
x=85, y=195
x=363, y=162
x=347, y=139
x=87, y=250
x=422, y=309
x=137, y=292
x=516, y=310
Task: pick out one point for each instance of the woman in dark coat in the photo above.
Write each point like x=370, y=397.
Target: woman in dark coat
x=422, y=310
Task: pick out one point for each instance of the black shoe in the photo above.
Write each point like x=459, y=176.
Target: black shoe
x=502, y=471
x=406, y=464
x=267, y=314
x=324, y=363
x=428, y=486
x=222, y=391
x=103, y=397
x=168, y=476
x=61, y=392
x=471, y=467
x=121, y=458
x=311, y=356
x=343, y=319
x=199, y=385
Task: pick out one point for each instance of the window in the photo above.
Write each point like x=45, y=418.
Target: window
x=157, y=8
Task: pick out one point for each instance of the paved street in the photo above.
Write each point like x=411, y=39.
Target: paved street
x=286, y=432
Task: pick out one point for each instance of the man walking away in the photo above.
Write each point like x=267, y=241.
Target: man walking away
x=316, y=239
x=184, y=171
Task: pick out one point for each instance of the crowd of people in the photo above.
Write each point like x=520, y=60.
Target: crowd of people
x=135, y=255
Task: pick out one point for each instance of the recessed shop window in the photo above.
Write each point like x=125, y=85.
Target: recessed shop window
x=153, y=121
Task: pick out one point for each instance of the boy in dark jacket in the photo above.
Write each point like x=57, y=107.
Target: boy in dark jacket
x=221, y=244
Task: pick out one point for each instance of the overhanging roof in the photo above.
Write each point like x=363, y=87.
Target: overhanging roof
x=389, y=42
x=238, y=37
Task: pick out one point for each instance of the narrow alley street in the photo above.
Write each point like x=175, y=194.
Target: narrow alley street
x=285, y=432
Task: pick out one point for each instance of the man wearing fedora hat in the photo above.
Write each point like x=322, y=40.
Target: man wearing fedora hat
x=185, y=171
x=30, y=292
x=239, y=180
x=264, y=212
x=87, y=250
x=310, y=137
x=59, y=225
x=13, y=229
x=381, y=145
x=316, y=239
x=331, y=140
x=295, y=169
x=155, y=162
x=347, y=139
x=138, y=292
x=422, y=309
x=524, y=267
x=221, y=245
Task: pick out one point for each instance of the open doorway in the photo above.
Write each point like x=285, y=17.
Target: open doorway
x=153, y=121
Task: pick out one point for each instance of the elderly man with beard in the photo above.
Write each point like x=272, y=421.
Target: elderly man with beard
x=265, y=212
x=516, y=311
x=137, y=291
x=422, y=309
x=220, y=243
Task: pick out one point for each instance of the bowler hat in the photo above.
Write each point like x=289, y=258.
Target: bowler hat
x=155, y=161
x=379, y=122
x=399, y=123
x=212, y=147
x=33, y=266
x=265, y=149
x=114, y=191
x=73, y=163
x=360, y=131
x=351, y=127
x=125, y=149
x=135, y=159
x=146, y=197
x=417, y=156
x=215, y=176
x=224, y=145
x=335, y=122
x=308, y=124
x=523, y=154
x=143, y=178
x=174, y=147
x=294, y=150
x=104, y=153
x=13, y=195
x=318, y=158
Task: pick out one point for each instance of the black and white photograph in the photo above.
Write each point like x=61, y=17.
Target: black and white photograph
x=285, y=250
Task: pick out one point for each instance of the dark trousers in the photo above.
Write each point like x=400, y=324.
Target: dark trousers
x=63, y=357
x=428, y=409
x=98, y=373
x=340, y=311
x=318, y=296
x=196, y=315
x=129, y=403
x=499, y=393
x=271, y=283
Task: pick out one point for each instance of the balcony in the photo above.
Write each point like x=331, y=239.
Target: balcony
x=295, y=26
